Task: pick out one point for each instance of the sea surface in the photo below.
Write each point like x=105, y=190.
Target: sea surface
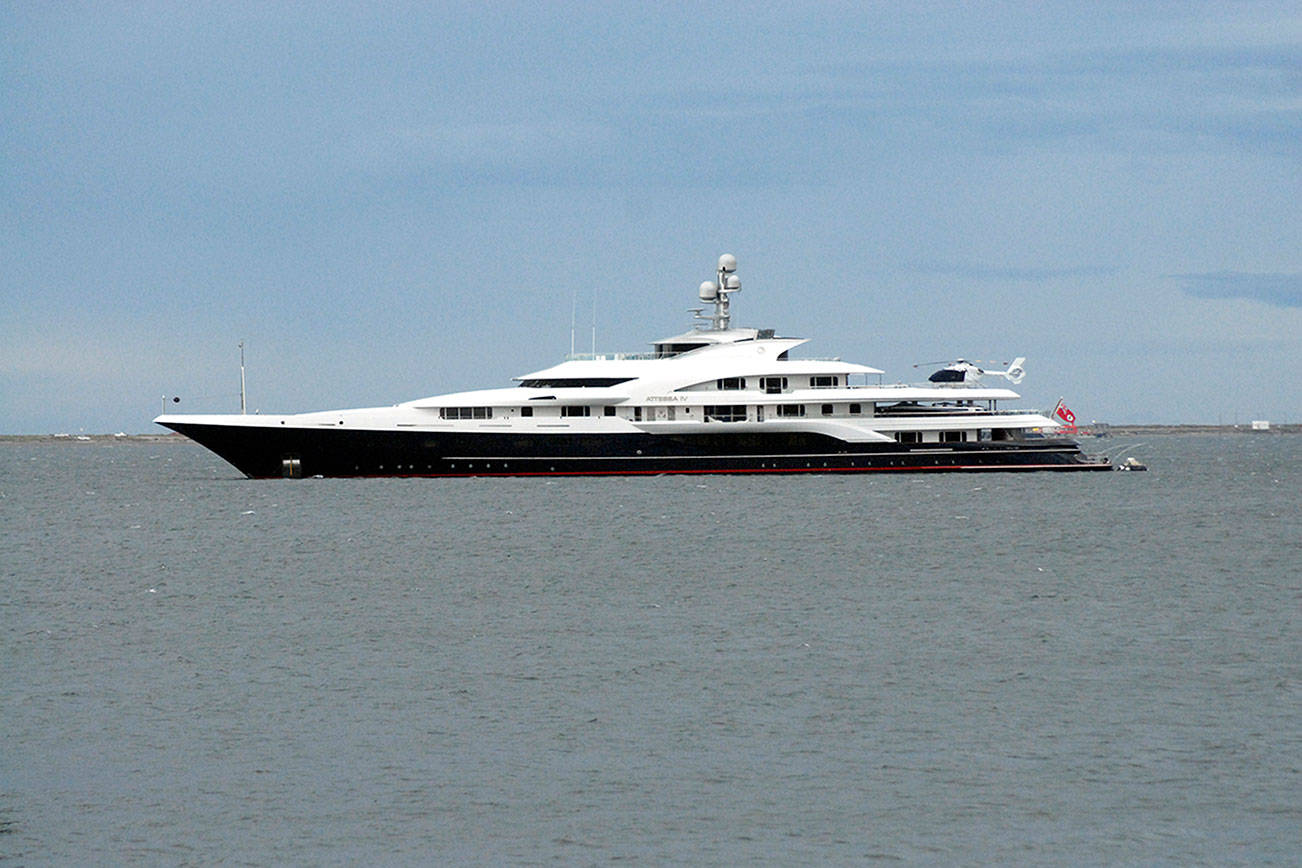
x=1047, y=669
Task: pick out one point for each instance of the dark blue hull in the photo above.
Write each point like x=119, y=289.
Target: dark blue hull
x=275, y=452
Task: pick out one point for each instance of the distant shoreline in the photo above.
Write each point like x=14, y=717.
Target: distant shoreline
x=1128, y=430
x=1114, y=430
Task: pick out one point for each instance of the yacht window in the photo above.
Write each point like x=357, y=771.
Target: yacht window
x=827, y=409
x=610, y=411
x=953, y=436
x=664, y=351
x=573, y=382
x=730, y=383
x=822, y=382
x=637, y=414
x=791, y=409
x=576, y=410
x=855, y=410
x=526, y=411
x=465, y=412
x=773, y=385
x=908, y=436
x=726, y=413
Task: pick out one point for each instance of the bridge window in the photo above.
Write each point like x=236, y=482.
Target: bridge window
x=791, y=409
x=773, y=385
x=823, y=382
x=730, y=383
x=575, y=382
x=576, y=410
x=664, y=351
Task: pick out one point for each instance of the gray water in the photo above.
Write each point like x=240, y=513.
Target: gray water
x=1036, y=669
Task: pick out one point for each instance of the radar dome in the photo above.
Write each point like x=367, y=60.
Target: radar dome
x=709, y=292
x=728, y=263
x=732, y=283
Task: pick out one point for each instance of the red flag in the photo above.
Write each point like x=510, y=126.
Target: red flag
x=1067, y=416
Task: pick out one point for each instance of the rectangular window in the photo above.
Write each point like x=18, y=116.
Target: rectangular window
x=730, y=383
x=610, y=411
x=465, y=412
x=726, y=413
x=773, y=385
x=855, y=409
x=576, y=410
x=827, y=409
x=908, y=436
x=953, y=436
x=791, y=409
x=637, y=414
x=823, y=382
x=526, y=411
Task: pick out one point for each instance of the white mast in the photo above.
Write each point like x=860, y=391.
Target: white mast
x=574, y=312
x=726, y=282
x=242, y=410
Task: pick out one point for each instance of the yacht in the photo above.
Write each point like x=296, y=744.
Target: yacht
x=715, y=399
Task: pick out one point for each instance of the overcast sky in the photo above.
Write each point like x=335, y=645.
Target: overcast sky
x=391, y=201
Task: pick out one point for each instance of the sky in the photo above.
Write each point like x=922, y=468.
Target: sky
x=390, y=201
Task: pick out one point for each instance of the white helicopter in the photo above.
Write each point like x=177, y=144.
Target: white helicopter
x=961, y=371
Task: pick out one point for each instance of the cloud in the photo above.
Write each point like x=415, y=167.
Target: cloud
x=1012, y=273
x=1159, y=96
x=1279, y=290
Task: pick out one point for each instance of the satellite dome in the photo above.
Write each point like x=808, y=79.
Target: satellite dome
x=709, y=291
x=732, y=283
x=728, y=263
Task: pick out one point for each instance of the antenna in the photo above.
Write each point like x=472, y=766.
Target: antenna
x=242, y=410
x=594, y=324
x=574, y=308
x=725, y=283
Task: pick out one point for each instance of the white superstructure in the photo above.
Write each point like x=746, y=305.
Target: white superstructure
x=714, y=384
